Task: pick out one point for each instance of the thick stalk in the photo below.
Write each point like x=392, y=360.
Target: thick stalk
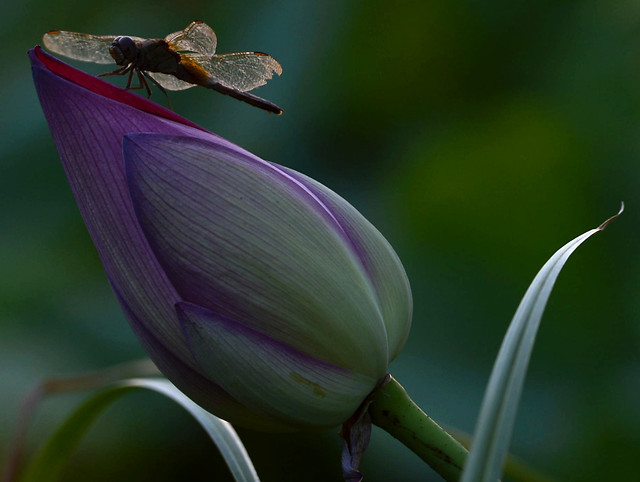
x=394, y=411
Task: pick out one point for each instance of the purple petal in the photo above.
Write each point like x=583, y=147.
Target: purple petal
x=88, y=129
x=270, y=377
x=237, y=237
x=39, y=58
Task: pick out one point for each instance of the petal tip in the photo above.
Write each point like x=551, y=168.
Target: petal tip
x=42, y=60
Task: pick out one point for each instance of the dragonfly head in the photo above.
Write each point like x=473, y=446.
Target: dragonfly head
x=123, y=50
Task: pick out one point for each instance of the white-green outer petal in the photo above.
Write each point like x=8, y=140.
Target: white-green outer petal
x=381, y=263
x=247, y=241
x=270, y=377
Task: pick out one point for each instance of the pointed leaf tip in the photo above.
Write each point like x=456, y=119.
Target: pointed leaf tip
x=612, y=218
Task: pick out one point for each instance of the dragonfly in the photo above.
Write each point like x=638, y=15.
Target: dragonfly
x=180, y=61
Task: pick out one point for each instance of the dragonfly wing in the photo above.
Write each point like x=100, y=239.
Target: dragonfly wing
x=169, y=82
x=241, y=71
x=80, y=46
x=198, y=40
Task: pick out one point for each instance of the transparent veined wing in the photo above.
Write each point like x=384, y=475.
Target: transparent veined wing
x=170, y=82
x=198, y=39
x=80, y=46
x=241, y=71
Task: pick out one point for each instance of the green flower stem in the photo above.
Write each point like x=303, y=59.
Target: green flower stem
x=394, y=411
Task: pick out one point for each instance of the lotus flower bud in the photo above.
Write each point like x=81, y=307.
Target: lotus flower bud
x=260, y=293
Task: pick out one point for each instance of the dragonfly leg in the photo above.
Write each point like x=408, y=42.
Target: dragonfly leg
x=144, y=83
x=162, y=89
x=120, y=71
x=128, y=86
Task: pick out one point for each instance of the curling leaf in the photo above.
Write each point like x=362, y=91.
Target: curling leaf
x=497, y=414
x=49, y=463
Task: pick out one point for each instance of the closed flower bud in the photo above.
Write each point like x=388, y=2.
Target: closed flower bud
x=260, y=293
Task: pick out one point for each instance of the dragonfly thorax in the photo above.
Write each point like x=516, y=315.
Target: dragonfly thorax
x=123, y=50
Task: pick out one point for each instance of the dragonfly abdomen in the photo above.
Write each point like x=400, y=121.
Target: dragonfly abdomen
x=191, y=72
x=250, y=99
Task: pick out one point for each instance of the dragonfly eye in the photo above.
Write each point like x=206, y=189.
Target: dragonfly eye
x=123, y=50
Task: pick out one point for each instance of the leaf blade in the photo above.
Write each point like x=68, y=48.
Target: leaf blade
x=499, y=406
x=51, y=460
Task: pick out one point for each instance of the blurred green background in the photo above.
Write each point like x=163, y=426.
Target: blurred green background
x=479, y=137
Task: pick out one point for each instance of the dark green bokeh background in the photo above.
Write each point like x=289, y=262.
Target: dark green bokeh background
x=479, y=137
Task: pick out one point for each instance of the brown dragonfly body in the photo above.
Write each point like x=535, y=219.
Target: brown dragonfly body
x=179, y=61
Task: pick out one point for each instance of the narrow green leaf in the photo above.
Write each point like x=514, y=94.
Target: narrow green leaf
x=497, y=414
x=50, y=462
